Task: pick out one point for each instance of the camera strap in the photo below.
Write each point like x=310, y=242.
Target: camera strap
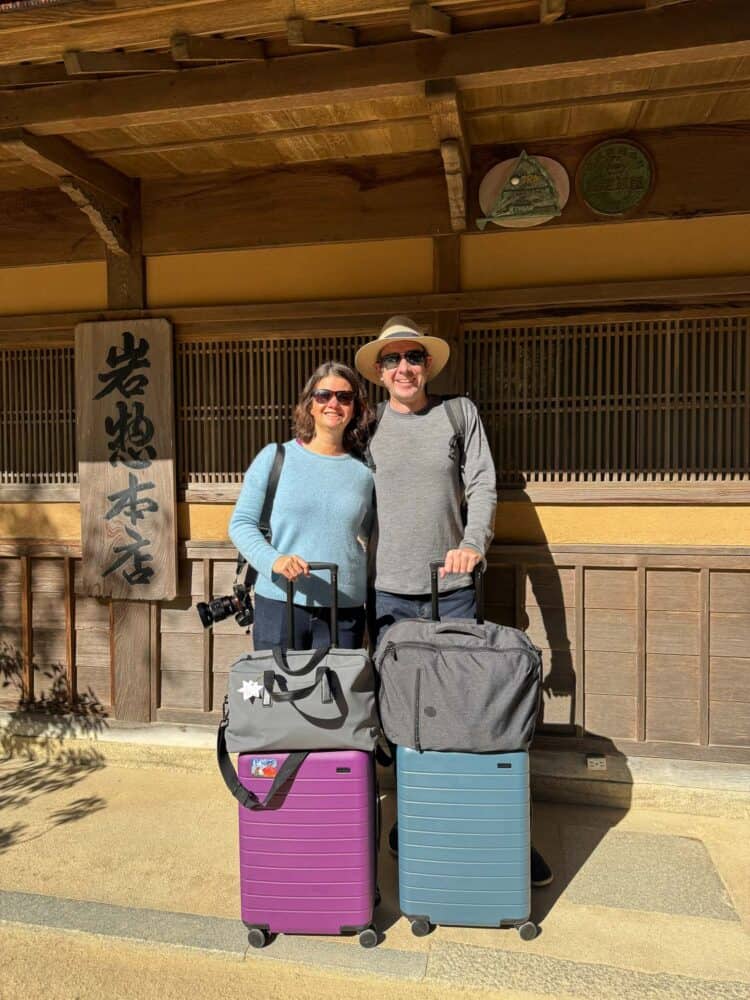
x=264, y=522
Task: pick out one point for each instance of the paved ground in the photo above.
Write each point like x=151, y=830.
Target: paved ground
x=118, y=878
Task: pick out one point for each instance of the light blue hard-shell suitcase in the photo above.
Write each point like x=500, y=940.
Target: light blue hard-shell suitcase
x=464, y=839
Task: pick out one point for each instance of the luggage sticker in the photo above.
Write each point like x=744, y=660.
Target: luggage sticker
x=251, y=689
x=264, y=767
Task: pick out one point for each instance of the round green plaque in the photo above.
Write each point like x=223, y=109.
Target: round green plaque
x=615, y=177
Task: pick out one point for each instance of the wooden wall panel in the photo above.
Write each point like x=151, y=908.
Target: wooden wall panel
x=730, y=724
x=673, y=676
x=673, y=590
x=730, y=634
x=672, y=720
x=610, y=673
x=730, y=592
x=611, y=716
x=611, y=589
x=673, y=632
x=611, y=630
x=550, y=587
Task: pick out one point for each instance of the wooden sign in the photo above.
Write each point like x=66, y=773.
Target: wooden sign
x=615, y=177
x=125, y=427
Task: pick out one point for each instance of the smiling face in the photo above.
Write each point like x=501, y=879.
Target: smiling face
x=406, y=382
x=332, y=416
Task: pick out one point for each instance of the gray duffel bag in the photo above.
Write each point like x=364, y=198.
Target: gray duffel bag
x=457, y=684
x=298, y=700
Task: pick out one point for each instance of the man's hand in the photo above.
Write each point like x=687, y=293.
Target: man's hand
x=459, y=561
x=291, y=567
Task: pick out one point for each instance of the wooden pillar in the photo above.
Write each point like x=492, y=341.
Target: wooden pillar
x=446, y=277
x=130, y=621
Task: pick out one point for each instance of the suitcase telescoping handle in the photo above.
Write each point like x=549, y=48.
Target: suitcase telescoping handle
x=334, y=571
x=478, y=577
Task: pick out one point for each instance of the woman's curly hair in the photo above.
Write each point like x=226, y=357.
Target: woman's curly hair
x=356, y=434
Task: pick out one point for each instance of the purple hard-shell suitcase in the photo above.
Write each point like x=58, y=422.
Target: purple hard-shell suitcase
x=308, y=858
x=307, y=862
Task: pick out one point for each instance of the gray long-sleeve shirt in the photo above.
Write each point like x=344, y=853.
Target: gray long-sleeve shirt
x=419, y=495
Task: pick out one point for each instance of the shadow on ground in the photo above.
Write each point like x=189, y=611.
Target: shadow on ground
x=35, y=740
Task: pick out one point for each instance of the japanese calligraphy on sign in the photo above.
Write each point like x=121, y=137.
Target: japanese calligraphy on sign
x=125, y=414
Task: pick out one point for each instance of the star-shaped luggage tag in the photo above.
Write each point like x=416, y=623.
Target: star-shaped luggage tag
x=250, y=690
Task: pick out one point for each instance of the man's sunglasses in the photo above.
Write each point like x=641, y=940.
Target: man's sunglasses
x=325, y=395
x=414, y=357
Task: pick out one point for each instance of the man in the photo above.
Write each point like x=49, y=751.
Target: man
x=435, y=489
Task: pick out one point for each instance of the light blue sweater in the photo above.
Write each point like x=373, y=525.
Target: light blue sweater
x=322, y=512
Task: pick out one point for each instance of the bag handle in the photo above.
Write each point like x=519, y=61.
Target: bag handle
x=461, y=628
x=478, y=577
x=283, y=665
x=243, y=795
x=322, y=681
x=334, y=571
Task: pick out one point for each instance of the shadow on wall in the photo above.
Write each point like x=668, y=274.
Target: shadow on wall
x=574, y=807
x=37, y=757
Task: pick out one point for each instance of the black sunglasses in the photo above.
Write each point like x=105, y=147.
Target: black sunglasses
x=325, y=395
x=413, y=357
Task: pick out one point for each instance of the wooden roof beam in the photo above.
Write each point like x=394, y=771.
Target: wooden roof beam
x=571, y=48
x=551, y=10
x=109, y=218
x=59, y=158
x=36, y=75
x=424, y=19
x=114, y=63
x=446, y=115
x=197, y=49
x=302, y=33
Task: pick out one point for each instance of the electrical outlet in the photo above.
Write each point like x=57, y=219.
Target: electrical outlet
x=596, y=762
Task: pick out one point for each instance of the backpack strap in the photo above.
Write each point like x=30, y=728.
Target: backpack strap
x=264, y=522
x=380, y=410
x=456, y=448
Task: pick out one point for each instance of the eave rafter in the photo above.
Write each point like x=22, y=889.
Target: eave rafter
x=105, y=195
x=569, y=48
x=302, y=33
x=424, y=19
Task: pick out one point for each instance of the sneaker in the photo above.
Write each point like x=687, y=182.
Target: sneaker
x=541, y=873
x=393, y=840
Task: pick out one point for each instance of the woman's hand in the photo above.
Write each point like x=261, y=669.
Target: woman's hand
x=291, y=567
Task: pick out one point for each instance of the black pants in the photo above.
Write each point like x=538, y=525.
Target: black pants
x=312, y=626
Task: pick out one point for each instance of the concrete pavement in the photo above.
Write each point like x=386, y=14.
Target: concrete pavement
x=120, y=855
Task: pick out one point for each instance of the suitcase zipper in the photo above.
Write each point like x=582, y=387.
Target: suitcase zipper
x=417, y=685
x=391, y=647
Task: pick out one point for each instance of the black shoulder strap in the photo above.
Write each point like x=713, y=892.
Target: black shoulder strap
x=243, y=795
x=456, y=416
x=369, y=460
x=264, y=522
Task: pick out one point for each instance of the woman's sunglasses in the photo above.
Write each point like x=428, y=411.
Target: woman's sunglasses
x=414, y=357
x=325, y=395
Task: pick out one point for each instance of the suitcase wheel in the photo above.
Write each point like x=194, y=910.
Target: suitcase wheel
x=257, y=938
x=421, y=927
x=528, y=931
x=368, y=938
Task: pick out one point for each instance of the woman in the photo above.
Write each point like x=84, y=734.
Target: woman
x=322, y=512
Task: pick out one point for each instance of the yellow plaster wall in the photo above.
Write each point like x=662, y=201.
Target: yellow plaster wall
x=53, y=288
x=516, y=523
x=343, y=270
x=685, y=248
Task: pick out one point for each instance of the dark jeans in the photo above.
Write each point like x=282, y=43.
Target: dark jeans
x=390, y=608
x=312, y=626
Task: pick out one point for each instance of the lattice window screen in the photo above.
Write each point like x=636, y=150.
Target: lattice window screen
x=234, y=397
x=37, y=416
x=642, y=400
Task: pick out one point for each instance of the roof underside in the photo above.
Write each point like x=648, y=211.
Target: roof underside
x=295, y=106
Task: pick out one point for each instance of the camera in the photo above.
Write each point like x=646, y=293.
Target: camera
x=238, y=603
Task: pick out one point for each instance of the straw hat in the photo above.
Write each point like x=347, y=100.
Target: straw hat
x=401, y=328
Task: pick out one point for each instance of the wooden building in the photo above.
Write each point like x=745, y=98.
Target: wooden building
x=274, y=179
